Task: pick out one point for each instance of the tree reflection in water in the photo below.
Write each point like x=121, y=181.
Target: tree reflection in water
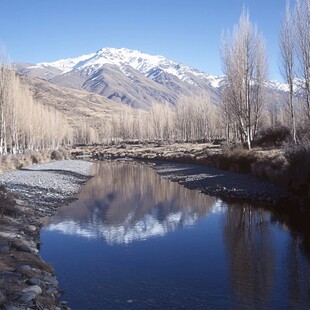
x=254, y=265
x=298, y=275
x=250, y=251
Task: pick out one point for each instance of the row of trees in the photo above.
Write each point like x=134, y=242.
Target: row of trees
x=244, y=98
x=245, y=106
x=193, y=119
x=295, y=56
x=24, y=123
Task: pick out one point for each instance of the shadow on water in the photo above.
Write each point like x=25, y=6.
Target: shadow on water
x=160, y=245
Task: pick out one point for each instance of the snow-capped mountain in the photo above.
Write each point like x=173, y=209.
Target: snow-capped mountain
x=146, y=64
x=129, y=76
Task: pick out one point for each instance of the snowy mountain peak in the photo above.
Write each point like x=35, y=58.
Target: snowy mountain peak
x=142, y=62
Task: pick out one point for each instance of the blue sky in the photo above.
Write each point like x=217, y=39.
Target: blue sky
x=188, y=31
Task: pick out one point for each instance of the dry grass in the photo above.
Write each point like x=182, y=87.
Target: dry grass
x=13, y=162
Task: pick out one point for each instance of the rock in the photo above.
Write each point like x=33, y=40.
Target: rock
x=2, y=298
x=52, y=290
x=7, y=275
x=32, y=228
x=51, y=280
x=33, y=289
x=26, y=297
x=4, y=250
x=9, y=307
x=5, y=247
x=23, y=268
x=23, y=248
x=33, y=281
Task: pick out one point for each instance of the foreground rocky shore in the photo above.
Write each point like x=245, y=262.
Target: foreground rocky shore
x=26, y=282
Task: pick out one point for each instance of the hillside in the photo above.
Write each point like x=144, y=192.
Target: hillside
x=75, y=104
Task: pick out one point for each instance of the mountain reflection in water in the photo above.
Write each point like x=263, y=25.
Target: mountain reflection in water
x=229, y=256
x=126, y=202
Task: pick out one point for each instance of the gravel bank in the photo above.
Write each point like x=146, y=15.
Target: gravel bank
x=222, y=183
x=26, y=282
x=47, y=186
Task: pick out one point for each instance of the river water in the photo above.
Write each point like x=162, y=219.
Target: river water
x=134, y=240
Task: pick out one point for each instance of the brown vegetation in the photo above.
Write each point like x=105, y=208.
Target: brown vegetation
x=12, y=162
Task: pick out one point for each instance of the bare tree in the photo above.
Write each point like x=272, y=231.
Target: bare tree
x=245, y=67
x=287, y=50
x=302, y=17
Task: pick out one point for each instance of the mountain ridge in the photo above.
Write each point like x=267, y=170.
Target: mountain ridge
x=131, y=77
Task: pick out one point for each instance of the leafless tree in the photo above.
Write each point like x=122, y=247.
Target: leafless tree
x=287, y=50
x=245, y=67
x=302, y=18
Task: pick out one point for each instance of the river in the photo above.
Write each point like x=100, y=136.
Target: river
x=134, y=240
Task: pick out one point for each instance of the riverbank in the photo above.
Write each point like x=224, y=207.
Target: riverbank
x=268, y=168
x=33, y=193
x=222, y=184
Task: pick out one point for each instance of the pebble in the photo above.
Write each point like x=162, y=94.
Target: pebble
x=51, y=280
x=23, y=248
x=27, y=296
x=7, y=275
x=4, y=247
x=33, y=289
x=33, y=281
x=9, y=307
x=23, y=268
x=32, y=228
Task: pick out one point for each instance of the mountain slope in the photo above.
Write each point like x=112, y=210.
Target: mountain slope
x=126, y=76
x=75, y=104
x=131, y=77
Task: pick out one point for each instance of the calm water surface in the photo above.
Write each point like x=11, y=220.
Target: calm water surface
x=134, y=240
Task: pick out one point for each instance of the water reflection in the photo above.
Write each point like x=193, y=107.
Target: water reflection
x=251, y=254
x=126, y=202
x=241, y=257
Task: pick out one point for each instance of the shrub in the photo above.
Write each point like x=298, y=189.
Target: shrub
x=236, y=159
x=298, y=158
x=7, y=202
x=36, y=157
x=7, y=163
x=64, y=153
x=56, y=155
x=273, y=136
x=303, y=131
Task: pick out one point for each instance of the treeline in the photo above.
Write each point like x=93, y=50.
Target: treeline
x=247, y=105
x=192, y=119
x=24, y=123
x=244, y=97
